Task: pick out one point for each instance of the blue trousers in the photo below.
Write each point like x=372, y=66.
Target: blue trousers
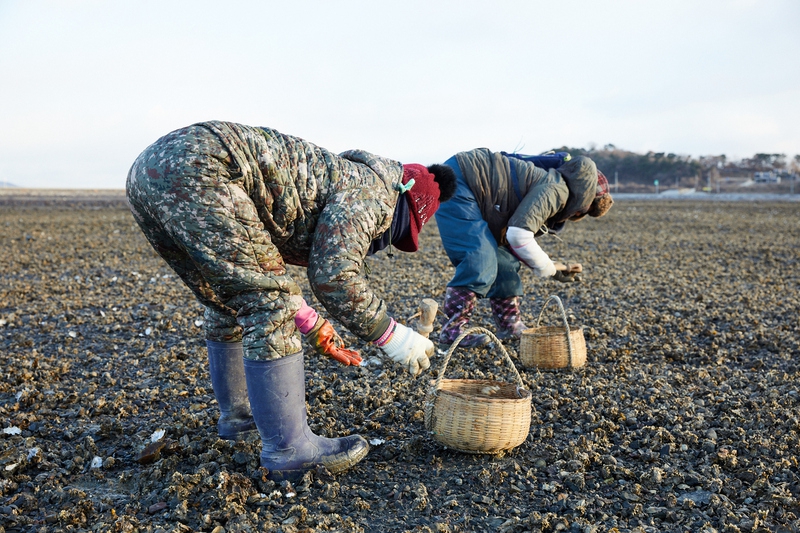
x=483, y=267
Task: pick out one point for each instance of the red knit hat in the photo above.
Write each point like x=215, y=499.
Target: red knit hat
x=423, y=201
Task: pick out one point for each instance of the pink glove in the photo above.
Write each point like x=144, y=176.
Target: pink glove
x=321, y=335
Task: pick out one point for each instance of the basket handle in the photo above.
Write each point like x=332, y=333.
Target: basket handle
x=566, y=324
x=455, y=345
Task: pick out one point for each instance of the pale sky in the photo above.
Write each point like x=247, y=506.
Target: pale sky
x=85, y=86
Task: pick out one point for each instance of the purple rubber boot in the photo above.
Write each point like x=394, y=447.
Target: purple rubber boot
x=507, y=317
x=458, y=306
x=288, y=446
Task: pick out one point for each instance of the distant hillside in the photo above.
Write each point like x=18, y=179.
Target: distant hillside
x=673, y=169
x=640, y=168
x=6, y=184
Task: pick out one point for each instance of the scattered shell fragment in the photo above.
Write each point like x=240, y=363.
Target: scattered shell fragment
x=157, y=507
x=151, y=453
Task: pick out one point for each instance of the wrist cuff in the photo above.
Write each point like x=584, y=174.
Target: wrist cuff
x=306, y=318
x=383, y=339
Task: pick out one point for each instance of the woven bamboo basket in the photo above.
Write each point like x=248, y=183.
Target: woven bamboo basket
x=478, y=416
x=553, y=347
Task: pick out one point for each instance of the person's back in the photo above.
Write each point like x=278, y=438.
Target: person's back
x=291, y=180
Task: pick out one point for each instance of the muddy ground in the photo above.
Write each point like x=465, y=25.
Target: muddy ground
x=685, y=418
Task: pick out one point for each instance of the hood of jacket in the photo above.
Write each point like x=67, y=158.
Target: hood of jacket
x=580, y=175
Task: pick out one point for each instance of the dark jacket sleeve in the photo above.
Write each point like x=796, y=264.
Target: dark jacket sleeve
x=541, y=202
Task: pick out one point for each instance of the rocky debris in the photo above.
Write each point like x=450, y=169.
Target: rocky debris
x=685, y=418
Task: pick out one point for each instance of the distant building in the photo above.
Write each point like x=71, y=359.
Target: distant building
x=766, y=177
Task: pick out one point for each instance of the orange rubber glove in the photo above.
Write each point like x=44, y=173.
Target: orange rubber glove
x=321, y=335
x=327, y=342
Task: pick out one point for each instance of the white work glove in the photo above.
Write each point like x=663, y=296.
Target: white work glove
x=524, y=246
x=409, y=349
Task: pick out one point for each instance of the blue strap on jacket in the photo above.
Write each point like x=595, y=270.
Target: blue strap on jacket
x=546, y=161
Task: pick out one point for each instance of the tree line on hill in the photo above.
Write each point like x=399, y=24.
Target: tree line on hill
x=667, y=168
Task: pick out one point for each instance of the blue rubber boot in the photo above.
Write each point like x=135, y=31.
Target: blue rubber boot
x=288, y=446
x=226, y=366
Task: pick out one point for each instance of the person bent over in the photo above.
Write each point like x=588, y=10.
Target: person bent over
x=227, y=206
x=489, y=229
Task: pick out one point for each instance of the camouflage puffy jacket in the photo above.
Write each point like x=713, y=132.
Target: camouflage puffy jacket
x=322, y=210
x=318, y=209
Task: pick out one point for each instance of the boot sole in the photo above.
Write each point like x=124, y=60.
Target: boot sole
x=334, y=467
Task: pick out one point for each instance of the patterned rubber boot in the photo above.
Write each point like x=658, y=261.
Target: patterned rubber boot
x=226, y=366
x=507, y=317
x=288, y=446
x=458, y=306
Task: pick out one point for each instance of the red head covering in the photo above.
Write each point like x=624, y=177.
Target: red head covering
x=602, y=184
x=423, y=201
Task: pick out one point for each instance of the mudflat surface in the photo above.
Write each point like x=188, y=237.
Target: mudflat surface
x=685, y=418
